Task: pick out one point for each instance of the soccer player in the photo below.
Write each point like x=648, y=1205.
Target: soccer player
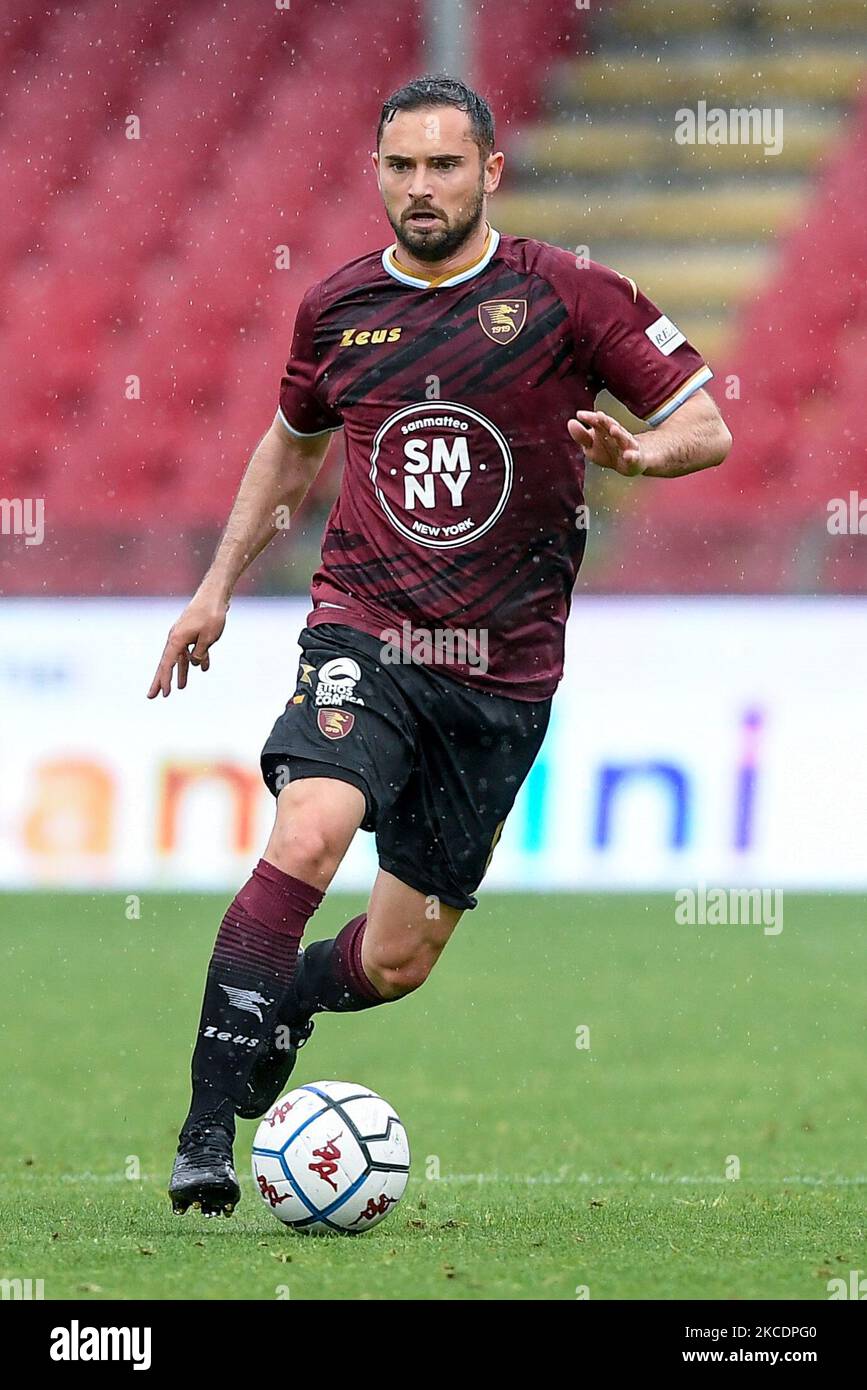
x=463, y=366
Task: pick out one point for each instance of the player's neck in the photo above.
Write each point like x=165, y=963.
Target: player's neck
x=463, y=259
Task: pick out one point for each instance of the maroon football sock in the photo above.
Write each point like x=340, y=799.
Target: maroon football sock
x=252, y=966
x=330, y=974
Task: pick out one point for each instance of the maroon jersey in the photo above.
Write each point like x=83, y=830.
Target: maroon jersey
x=460, y=505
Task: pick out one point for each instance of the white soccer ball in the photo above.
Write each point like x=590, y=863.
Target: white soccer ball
x=331, y=1157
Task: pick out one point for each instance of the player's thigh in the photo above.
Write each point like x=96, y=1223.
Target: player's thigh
x=475, y=752
x=315, y=822
x=347, y=721
x=406, y=931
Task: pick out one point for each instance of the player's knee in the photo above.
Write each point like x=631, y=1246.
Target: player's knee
x=302, y=842
x=306, y=854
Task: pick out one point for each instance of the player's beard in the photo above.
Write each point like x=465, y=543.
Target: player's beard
x=448, y=237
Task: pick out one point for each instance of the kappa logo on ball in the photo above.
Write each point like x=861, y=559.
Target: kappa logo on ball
x=331, y=1157
x=335, y=723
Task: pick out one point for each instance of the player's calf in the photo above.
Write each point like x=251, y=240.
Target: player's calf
x=336, y=976
x=365, y=965
x=407, y=931
x=329, y=977
x=397, y=970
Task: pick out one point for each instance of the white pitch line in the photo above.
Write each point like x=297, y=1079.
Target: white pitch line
x=656, y=1179
x=527, y=1179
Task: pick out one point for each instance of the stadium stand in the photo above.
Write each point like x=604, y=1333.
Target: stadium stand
x=758, y=257
x=145, y=319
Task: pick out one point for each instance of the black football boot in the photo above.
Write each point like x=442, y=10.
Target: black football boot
x=204, y=1176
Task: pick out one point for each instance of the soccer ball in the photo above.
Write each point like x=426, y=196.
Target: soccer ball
x=331, y=1157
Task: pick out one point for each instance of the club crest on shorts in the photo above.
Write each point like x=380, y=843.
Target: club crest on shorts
x=503, y=319
x=335, y=723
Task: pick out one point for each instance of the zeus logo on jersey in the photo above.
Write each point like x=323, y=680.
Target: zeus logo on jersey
x=365, y=337
x=441, y=472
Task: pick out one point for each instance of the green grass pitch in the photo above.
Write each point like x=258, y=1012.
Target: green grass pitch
x=560, y=1168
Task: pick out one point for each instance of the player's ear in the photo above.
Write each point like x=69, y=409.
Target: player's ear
x=493, y=171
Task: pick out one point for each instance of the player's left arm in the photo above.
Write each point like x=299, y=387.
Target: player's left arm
x=693, y=437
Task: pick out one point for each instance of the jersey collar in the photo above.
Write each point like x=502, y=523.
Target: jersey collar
x=392, y=265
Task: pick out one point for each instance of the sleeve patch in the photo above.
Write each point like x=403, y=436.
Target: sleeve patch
x=665, y=335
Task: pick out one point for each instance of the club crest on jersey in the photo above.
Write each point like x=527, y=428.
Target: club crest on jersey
x=503, y=319
x=335, y=723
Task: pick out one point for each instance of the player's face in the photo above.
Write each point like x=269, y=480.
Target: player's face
x=433, y=180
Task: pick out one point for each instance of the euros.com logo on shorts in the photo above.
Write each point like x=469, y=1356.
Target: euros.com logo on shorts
x=442, y=473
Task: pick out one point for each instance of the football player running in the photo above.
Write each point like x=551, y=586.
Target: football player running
x=463, y=365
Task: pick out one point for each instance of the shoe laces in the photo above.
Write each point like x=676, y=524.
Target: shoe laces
x=210, y=1136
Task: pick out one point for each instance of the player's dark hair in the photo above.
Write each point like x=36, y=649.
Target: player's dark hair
x=442, y=90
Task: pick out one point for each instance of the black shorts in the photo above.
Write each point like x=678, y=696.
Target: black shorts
x=439, y=763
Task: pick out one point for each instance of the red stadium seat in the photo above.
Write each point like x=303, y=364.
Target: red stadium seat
x=156, y=256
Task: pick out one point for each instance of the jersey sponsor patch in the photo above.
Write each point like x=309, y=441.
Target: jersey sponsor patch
x=665, y=335
x=441, y=472
x=336, y=682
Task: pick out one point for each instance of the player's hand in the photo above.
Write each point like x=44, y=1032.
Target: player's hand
x=197, y=629
x=606, y=443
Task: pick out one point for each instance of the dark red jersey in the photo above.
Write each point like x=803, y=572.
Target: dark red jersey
x=460, y=505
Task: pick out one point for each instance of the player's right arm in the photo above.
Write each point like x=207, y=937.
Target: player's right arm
x=278, y=476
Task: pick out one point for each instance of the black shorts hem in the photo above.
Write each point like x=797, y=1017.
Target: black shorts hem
x=299, y=768
x=413, y=879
